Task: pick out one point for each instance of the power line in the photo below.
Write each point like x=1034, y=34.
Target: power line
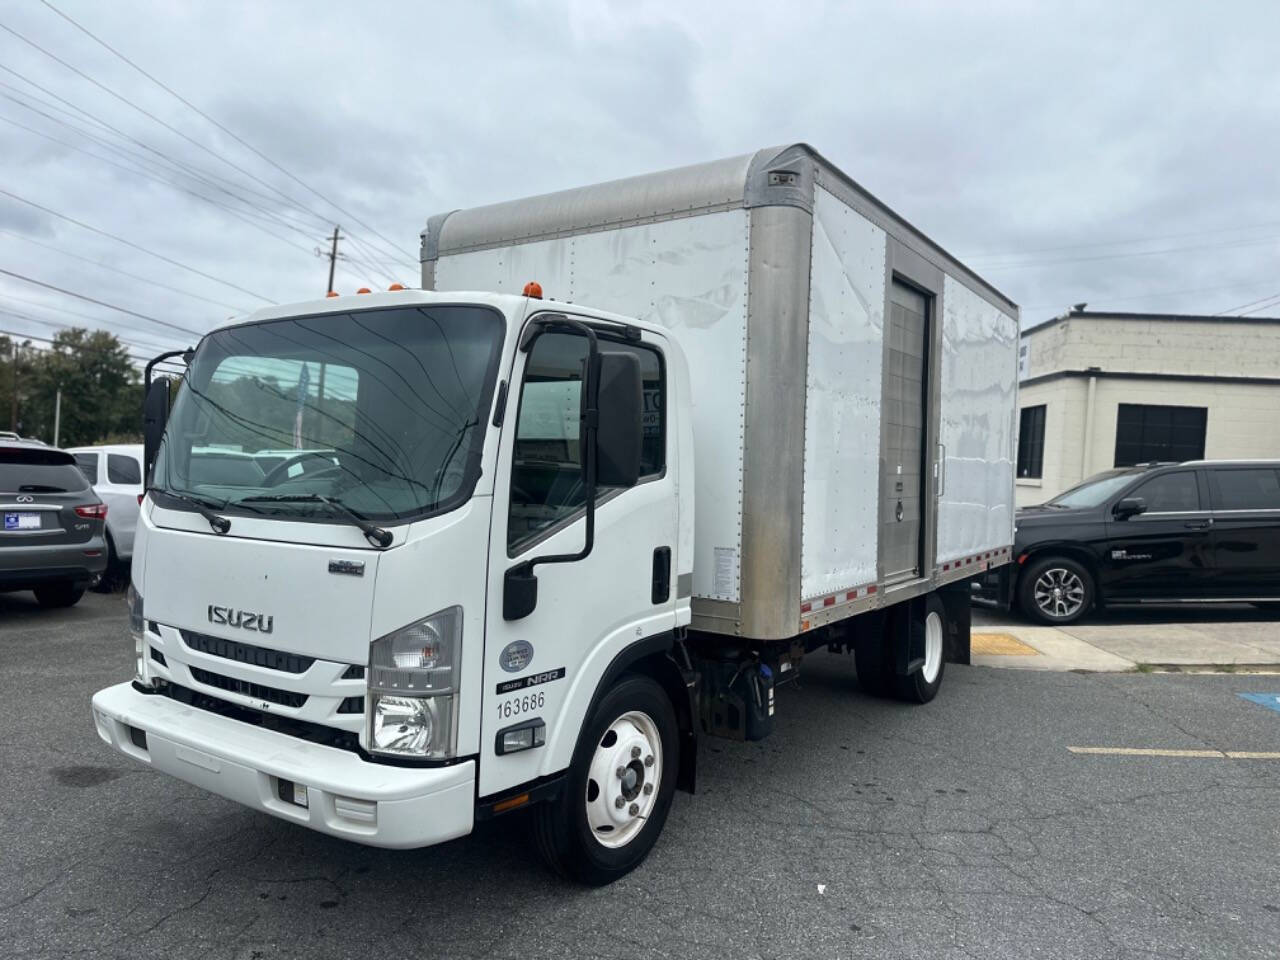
x=1122, y=256
x=101, y=326
x=1118, y=243
x=130, y=243
x=239, y=214
x=248, y=146
x=123, y=273
x=101, y=303
x=1249, y=304
x=182, y=167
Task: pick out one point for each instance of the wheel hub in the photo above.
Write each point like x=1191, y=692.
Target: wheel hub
x=622, y=780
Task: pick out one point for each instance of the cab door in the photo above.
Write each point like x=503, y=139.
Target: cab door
x=1163, y=552
x=544, y=668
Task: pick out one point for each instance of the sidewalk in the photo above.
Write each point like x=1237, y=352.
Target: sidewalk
x=1226, y=638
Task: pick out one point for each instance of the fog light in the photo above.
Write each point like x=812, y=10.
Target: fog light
x=402, y=725
x=522, y=736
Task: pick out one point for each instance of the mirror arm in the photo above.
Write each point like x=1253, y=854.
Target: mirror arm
x=186, y=353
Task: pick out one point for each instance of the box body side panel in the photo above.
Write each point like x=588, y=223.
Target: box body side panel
x=843, y=412
x=690, y=276
x=978, y=427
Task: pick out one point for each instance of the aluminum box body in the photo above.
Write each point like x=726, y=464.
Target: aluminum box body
x=775, y=273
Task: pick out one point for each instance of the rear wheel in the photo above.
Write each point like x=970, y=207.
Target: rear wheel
x=619, y=787
x=1055, y=591
x=923, y=685
x=61, y=594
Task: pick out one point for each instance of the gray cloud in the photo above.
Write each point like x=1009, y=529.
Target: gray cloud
x=1004, y=130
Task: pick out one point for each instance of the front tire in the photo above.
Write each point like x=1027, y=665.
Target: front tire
x=619, y=787
x=1055, y=591
x=61, y=594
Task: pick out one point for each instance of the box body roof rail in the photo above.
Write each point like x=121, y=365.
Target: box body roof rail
x=774, y=176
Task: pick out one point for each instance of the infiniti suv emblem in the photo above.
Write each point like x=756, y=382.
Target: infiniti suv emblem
x=25, y=499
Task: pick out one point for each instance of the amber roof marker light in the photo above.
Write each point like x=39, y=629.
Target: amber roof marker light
x=533, y=290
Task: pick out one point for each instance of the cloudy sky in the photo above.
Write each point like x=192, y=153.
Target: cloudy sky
x=1105, y=152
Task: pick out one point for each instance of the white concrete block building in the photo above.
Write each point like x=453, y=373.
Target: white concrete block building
x=1100, y=390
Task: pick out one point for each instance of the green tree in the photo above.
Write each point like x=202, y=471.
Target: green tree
x=11, y=414
x=101, y=394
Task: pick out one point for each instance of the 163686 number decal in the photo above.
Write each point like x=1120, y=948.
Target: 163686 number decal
x=518, y=705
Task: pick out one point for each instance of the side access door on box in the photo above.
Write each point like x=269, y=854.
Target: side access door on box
x=546, y=666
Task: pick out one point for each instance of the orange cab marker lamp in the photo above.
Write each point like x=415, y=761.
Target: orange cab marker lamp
x=396, y=286
x=533, y=289
x=364, y=290
x=332, y=293
x=502, y=806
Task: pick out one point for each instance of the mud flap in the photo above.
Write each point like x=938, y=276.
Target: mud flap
x=955, y=600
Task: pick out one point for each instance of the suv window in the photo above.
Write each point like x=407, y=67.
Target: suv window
x=1170, y=493
x=1256, y=489
x=546, y=469
x=88, y=464
x=123, y=469
x=39, y=471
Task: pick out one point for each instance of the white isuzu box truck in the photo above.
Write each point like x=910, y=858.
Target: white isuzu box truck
x=531, y=542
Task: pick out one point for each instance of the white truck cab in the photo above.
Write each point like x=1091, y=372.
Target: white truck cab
x=527, y=550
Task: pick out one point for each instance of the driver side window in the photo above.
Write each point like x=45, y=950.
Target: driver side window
x=546, y=466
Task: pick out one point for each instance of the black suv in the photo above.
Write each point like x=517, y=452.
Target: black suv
x=51, y=524
x=1201, y=531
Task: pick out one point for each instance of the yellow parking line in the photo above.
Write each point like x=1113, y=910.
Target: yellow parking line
x=1154, y=752
x=1001, y=645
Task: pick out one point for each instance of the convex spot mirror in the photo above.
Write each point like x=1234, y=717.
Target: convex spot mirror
x=620, y=434
x=1129, y=507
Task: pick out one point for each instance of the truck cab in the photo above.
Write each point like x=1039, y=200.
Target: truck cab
x=397, y=627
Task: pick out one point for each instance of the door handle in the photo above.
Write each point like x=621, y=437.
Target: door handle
x=1198, y=524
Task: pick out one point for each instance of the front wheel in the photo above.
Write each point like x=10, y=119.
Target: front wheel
x=1056, y=590
x=619, y=787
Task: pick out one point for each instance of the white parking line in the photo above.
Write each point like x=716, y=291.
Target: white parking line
x=1154, y=752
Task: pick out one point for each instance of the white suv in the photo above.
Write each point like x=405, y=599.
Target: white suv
x=115, y=473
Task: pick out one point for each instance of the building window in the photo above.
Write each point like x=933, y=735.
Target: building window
x=1151, y=434
x=1031, y=442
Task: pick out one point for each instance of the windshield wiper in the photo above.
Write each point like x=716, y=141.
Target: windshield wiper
x=205, y=508
x=375, y=534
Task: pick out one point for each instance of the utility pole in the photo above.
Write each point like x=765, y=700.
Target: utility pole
x=57, y=417
x=333, y=259
x=13, y=405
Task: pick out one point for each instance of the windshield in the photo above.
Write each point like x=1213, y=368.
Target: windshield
x=378, y=409
x=1094, y=491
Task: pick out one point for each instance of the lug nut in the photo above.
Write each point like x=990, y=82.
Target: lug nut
x=635, y=753
x=635, y=808
x=648, y=789
x=648, y=761
x=619, y=803
x=622, y=772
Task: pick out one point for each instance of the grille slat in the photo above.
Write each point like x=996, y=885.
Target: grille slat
x=351, y=705
x=285, y=698
x=246, y=653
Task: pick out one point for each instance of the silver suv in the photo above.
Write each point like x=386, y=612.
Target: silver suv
x=52, y=524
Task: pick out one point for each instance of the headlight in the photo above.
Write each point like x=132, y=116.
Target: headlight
x=413, y=688
x=137, y=629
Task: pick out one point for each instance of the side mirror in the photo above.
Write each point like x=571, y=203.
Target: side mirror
x=155, y=415
x=519, y=592
x=1129, y=507
x=619, y=435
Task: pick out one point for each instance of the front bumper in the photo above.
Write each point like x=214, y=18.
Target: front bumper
x=376, y=804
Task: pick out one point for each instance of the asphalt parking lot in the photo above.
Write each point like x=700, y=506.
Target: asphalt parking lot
x=862, y=828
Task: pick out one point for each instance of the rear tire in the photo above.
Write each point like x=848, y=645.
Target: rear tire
x=62, y=594
x=1055, y=591
x=923, y=685
x=585, y=834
